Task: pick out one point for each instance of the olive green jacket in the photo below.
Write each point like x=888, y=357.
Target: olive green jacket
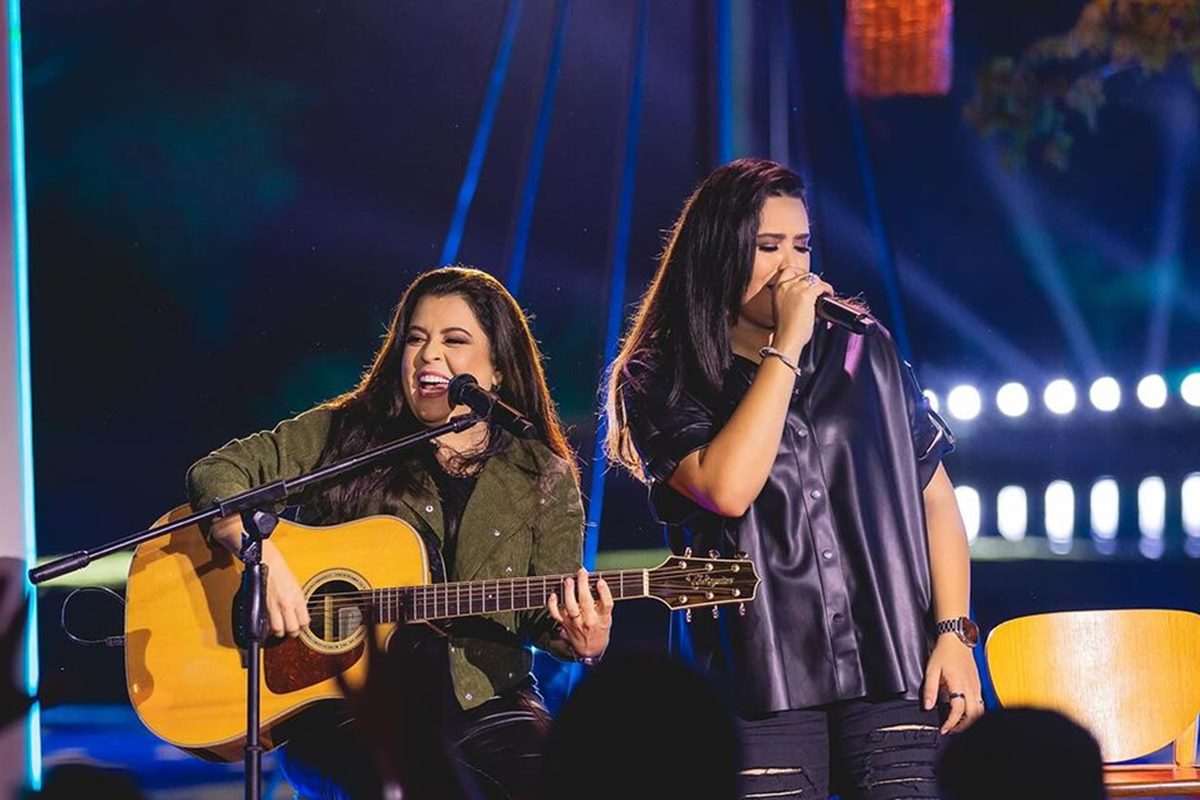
x=524, y=517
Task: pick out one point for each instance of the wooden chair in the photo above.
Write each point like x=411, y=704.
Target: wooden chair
x=1131, y=677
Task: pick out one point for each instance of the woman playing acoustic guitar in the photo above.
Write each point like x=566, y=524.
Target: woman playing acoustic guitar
x=498, y=507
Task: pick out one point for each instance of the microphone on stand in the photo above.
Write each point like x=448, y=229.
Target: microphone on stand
x=844, y=315
x=464, y=390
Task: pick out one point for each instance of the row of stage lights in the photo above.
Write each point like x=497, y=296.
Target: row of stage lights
x=1104, y=505
x=965, y=402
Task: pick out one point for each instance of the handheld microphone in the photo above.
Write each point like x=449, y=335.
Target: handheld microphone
x=465, y=390
x=844, y=315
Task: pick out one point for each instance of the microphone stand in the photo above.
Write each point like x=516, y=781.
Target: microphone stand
x=252, y=505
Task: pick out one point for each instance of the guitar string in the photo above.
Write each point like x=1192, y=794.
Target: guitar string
x=437, y=595
x=514, y=586
x=592, y=579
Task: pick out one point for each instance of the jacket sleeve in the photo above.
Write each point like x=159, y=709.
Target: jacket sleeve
x=557, y=550
x=932, y=437
x=293, y=447
x=664, y=432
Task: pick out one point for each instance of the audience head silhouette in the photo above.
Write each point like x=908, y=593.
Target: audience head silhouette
x=1028, y=753
x=657, y=727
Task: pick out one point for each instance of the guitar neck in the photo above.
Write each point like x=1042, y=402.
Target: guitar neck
x=472, y=598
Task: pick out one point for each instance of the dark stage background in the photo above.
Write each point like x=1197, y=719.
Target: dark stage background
x=226, y=199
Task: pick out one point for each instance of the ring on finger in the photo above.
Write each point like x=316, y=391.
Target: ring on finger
x=959, y=695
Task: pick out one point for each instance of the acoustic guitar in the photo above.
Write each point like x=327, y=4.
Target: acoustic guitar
x=184, y=654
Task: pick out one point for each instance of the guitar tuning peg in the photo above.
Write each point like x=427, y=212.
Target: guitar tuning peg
x=716, y=612
x=714, y=553
x=687, y=616
x=687, y=552
x=741, y=555
x=741, y=609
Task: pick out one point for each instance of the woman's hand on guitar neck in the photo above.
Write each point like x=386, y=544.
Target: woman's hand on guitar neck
x=287, y=609
x=584, y=621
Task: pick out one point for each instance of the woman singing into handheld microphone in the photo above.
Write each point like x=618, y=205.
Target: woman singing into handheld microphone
x=763, y=429
x=498, y=505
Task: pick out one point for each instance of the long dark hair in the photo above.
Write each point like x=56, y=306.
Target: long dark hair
x=681, y=331
x=375, y=411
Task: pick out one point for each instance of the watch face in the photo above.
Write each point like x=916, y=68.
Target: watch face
x=970, y=632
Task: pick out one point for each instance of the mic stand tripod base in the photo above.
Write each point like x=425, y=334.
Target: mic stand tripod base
x=258, y=526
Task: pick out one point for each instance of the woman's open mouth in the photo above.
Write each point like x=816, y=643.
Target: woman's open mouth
x=432, y=384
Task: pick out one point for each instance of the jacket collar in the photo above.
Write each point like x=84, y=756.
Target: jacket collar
x=505, y=499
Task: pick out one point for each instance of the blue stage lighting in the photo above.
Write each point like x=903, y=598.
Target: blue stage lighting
x=1152, y=391
x=1060, y=515
x=1190, y=389
x=1012, y=399
x=1105, y=394
x=970, y=508
x=1190, y=505
x=1060, y=396
x=1152, y=507
x=1012, y=513
x=964, y=402
x=1105, y=505
x=1151, y=547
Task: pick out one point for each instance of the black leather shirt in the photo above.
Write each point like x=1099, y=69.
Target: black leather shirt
x=837, y=533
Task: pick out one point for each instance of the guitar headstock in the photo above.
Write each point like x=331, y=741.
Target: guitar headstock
x=687, y=581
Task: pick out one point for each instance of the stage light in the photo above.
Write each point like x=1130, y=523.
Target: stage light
x=1151, y=547
x=1060, y=396
x=1152, y=507
x=1105, y=504
x=1012, y=399
x=933, y=400
x=1105, y=394
x=898, y=47
x=969, y=507
x=1190, y=504
x=1012, y=513
x=964, y=402
x=1060, y=515
x=1190, y=389
x=1152, y=391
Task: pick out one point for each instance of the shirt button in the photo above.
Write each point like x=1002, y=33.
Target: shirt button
x=826, y=554
x=495, y=532
x=428, y=509
x=508, y=570
x=815, y=494
x=837, y=619
x=468, y=696
x=802, y=433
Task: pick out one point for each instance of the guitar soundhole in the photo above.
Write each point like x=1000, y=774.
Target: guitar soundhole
x=337, y=612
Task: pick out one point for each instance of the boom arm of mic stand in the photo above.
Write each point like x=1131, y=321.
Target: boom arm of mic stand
x=258, y=497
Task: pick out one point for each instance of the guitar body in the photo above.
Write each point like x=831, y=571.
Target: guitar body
x=184, y=668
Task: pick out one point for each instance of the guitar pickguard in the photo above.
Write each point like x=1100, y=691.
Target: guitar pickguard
x=293, y=665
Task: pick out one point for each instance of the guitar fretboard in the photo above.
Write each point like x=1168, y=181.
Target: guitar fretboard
x=470, y=598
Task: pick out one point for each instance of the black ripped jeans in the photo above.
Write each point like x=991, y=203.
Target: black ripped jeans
x=858, y=749
x=499, y=743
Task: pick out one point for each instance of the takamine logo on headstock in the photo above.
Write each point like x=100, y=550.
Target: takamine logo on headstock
x=685, y=582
